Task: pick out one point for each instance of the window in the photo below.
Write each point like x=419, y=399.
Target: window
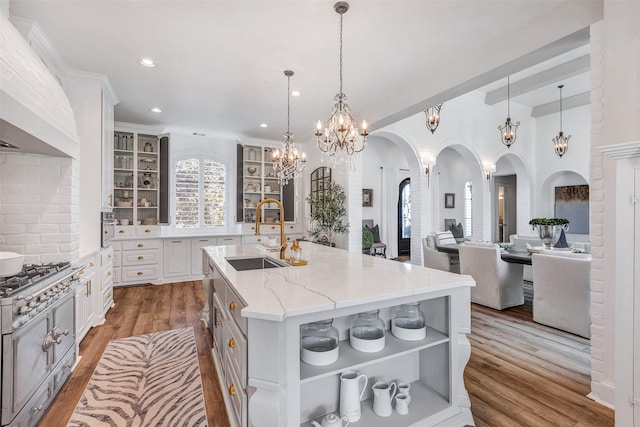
x=468, y=210
x=200, y=193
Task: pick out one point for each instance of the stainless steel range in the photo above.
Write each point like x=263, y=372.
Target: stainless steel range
x=37, y=320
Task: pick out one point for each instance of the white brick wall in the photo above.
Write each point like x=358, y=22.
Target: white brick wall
x=39, y=207
x=599, y=389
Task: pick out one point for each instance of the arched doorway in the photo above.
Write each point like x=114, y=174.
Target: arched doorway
x=404, y=218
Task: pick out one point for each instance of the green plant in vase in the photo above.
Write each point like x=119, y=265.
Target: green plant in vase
x=328, y=212
x=548, y=229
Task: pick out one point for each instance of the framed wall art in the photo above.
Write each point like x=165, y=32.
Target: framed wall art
x=367, y=197
x=449, y=200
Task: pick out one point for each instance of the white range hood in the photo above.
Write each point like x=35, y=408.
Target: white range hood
x=35, y=114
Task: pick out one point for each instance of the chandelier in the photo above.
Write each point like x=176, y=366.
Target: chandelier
x=287, y=162
x=433, y=117
x=561, y=142
x=508, y=131
x=340, y=137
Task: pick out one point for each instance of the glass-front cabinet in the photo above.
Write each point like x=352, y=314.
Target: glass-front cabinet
x=257, y=181
x=139, y=184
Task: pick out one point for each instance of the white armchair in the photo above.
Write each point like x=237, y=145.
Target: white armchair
x=498, y=283
x=562, y=292
x=438, y=260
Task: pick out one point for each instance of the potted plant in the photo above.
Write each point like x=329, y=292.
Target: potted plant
x=548, y=229
x=328, y=212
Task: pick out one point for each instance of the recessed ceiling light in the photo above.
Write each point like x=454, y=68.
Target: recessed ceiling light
x=155, y=110
x=146, y=62
x=295, y=93
x=264, y=125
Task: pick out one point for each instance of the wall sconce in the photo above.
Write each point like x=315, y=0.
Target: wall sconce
x=426, y=161
x=489, y=169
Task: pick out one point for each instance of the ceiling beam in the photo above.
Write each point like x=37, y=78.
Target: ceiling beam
x=567, y=104
x=542, y=79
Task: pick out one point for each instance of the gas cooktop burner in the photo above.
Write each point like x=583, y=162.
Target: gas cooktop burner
x=30, y=275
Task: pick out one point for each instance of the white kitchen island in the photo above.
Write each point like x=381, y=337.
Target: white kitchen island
x=256, y=318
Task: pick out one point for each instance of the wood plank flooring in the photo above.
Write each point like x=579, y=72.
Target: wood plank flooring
x=520, y=373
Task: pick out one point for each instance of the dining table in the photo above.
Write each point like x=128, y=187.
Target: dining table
x=516, y=257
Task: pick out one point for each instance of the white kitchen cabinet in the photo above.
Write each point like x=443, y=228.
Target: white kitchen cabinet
x=196, y=252
x=105, y=301
x=85, y=300
x=140, y=177
x=177, y=257
x=257, y=180
x=140, y=261
x=108, y=102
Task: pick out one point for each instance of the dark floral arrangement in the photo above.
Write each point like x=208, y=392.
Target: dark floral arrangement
x=549, y=221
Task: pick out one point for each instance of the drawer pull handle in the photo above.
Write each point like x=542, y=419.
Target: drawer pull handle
x=140, y=257
x=90, y=264
x=232, y=343
x=140, y=245
x=147, y=231
x=121, y=231
x=108, y=273
x=232, y=390
x=232, y=306
x=140, y=273
x=109, y=256
x=81, y=272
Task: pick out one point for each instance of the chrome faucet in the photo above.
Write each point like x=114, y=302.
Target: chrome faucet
x=283, y=239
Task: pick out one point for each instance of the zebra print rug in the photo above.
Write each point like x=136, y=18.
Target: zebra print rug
x=147, y=380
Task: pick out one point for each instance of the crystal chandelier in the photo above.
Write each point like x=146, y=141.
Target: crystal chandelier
x=287, y=162
x=508, y=131
x=340, y=137
x=561, y=142
x=433, y=117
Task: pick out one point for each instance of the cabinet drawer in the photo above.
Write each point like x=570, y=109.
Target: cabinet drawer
x=235, y=345
x=141, y=257
x=107, y=281
x=234, y=305
x=237, y=395
x=142, y=274
x=220, y=320
x=106, y=256
x=107, y=275
x=147, y=230
x=124, y=230
x=132, y=245
x=107, y=299
x=248, y=240
x=229, y=240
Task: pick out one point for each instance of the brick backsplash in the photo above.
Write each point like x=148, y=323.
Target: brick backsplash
x=39, y=207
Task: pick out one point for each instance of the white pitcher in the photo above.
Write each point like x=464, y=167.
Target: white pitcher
x=351, y=392
x=382, y=395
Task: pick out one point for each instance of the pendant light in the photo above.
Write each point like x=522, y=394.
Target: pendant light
x=508, y=131
x=340, y=138
x=561, y=142
x=433, y=117
x=287, y=162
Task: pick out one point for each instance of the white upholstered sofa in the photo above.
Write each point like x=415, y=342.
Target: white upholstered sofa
x=562, y=291
x=498, y=283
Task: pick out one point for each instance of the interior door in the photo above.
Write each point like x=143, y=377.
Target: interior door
x=505, y=208
x=404, y=218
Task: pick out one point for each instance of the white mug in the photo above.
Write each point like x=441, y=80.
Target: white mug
x=383, y=393
x=402, y=403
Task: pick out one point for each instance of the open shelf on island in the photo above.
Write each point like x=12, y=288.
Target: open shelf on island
x=353, y=359
x=425, y=402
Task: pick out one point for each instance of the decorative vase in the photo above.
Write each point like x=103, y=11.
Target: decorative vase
x=548, y=233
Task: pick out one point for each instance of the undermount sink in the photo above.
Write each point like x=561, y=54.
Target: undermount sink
x=254, y=263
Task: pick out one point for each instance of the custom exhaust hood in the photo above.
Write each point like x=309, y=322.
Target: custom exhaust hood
x=35, y=114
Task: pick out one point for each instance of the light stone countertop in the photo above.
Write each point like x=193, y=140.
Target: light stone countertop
x=333, y=278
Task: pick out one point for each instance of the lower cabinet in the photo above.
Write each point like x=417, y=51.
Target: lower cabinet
x=230, y=348
x=177, y=258
x=105, y=302
x=85, y=299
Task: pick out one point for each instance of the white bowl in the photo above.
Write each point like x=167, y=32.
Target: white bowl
x=10, y=263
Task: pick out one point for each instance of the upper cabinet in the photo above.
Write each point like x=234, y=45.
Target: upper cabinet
x=140, y=178
x=257, y=181
x=107, y=150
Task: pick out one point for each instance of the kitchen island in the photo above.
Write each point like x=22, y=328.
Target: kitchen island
x=256, y=317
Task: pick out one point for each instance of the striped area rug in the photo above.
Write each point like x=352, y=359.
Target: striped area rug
x=147, y=380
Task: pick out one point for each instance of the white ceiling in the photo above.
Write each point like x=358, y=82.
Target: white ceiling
x=220, y=63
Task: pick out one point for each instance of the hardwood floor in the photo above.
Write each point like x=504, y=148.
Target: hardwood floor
x=520, y=373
